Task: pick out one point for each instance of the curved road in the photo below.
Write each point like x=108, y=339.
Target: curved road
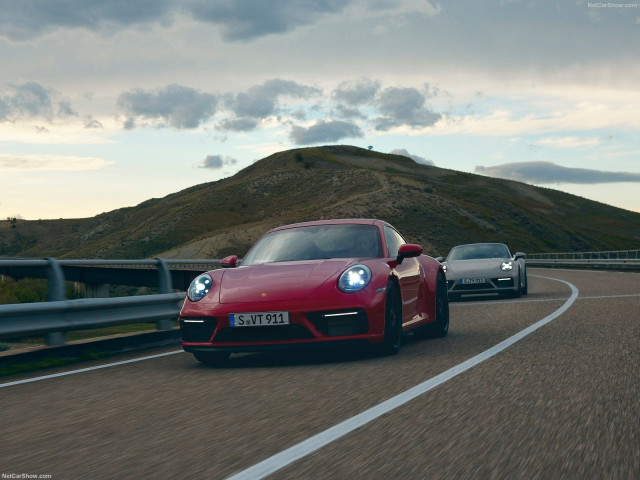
x=563, y=401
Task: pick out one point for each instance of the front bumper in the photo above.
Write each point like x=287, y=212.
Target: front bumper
x=493, y=285
x=345, y=320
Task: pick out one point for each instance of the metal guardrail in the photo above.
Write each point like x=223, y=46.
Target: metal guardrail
x=52, y=319
x=615, y=259
x=58, y=315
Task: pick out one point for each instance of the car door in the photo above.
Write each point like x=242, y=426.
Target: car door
x=408, y=275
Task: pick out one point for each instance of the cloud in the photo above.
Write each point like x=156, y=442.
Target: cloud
x=248, y=19
x=568, y=142
x=238, y=124
x=51, y=163
x=27, y=19
x=239, y=20
x=348, y=113
x=325, y=131
x=415, y=158
x=174, y=105
x=403, y=106
x=217, y=161
x=550, y=173
x=356, y=93
x=261, y=101
x=92, y=123
x=32, y=100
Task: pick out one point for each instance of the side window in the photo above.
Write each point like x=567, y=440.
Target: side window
x=394, y=240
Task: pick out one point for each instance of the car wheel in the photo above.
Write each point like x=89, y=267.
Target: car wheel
x=392, y=322
x=440, y=327
x=211, y=358
x=525, y=289
x=517, y=293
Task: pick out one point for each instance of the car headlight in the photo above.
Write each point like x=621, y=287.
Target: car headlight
x=444, y=268
x=354, y=279
x=199, y=287
x=506, y=266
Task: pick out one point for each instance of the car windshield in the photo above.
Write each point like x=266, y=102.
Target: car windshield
x=479, y=251
x=316, y=242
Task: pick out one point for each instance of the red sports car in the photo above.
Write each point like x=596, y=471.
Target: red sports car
x=324, y=283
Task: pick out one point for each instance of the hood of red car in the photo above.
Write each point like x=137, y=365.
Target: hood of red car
x=278, y=281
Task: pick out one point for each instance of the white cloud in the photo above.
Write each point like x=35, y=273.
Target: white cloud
x=51, y=163
x=568, y=142
x=547, y=117
x=550, y=173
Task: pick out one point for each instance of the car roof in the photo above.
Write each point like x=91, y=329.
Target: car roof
x=336, y=221
x=480, y=243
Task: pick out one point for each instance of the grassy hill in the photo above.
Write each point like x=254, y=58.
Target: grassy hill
x=435, y=207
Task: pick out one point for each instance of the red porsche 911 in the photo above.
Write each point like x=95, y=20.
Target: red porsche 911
x=323, y=283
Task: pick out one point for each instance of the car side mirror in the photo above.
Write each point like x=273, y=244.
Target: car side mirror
x=229, y=262
x=408, y=250
x=519, y=255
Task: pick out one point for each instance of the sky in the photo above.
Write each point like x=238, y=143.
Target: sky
x=107, y=103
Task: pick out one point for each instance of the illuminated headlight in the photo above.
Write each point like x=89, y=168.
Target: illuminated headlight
x=506, y=266
x=444, y=267
x=199, y=287
x=354, y=279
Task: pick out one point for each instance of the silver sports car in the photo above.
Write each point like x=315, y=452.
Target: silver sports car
x=484, y=268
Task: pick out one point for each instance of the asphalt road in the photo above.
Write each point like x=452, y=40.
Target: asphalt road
x=562, y=402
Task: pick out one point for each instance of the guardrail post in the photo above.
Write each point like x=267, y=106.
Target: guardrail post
x=164, y=286
x=55, y=293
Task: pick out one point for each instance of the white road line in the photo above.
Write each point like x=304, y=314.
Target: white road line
x=538, y=300
x=88, y=369
x=304, y=448
x=597, y=297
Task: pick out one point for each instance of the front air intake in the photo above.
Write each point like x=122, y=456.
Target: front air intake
x=339, y=323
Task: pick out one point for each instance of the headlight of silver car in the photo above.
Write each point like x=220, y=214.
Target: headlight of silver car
x=199, y=287
x=506, y=266
x=354, y=279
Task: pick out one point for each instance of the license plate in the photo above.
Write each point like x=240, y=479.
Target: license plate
x=258, y=319
x=471, y=281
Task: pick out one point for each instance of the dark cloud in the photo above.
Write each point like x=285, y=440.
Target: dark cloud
x=249, y=19
x=550, y=173
x=356, y=93
x=415, y=158
x=174, y=105
x=403, y=106
x=32, y=100
x=237, y=20
x=65, y=109
x=349, y=113
x=238, y=124
x=92, y=123
x=325, y=131
x=26, y=19
x=217, y=161
x=261, y=101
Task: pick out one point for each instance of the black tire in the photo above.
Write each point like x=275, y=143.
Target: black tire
x=215, y=359
x=518, y=291
x=392, y=322
x=525, y=289
x=440, y=328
